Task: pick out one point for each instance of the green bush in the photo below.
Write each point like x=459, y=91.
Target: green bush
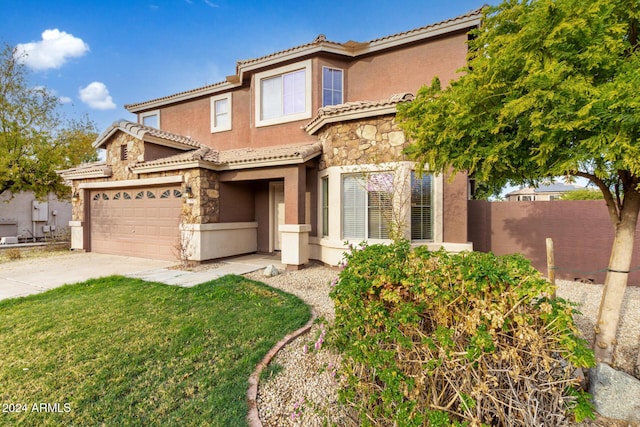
x=432, y=338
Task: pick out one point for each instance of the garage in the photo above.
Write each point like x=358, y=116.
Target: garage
x=136, y=221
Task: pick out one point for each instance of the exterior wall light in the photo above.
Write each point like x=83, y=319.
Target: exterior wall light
x=188, y=193
x=75, y=198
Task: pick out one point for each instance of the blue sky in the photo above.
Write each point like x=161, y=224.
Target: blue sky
x=98, y=56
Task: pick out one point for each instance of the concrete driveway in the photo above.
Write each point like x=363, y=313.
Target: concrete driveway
x=32, y=276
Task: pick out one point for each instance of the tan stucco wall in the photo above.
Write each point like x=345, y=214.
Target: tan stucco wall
x=406, y=70
x=372, y=77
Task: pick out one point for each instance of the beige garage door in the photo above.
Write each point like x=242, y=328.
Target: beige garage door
x=140, y=222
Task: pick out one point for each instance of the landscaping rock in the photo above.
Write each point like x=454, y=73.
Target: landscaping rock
x=615, y=394
x=271, y=270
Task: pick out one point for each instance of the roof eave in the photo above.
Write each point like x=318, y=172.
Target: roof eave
x=316, y=125
x=349, y=49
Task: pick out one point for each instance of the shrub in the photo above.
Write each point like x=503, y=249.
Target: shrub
x=14, y=253
x=432, y=338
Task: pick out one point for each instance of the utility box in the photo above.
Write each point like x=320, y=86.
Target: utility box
x=40, y=211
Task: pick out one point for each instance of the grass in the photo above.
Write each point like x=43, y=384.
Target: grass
x=120, y=351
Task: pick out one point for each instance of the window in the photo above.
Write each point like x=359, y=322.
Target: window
x=325, y=206
x=284, y=94
x=421, y=209
x=151, y=119
x=367, y=206
x=123, y=152
x=331, y=86
x=221, y=113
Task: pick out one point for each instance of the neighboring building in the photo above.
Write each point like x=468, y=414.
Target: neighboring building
x=543, y=192
x=297, y=152
x=28, y=219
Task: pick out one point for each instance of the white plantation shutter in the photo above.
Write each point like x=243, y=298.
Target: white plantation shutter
x=421, y=207
x=379, y=214
x=271, y=92
x=293, y=93
x=353, y=207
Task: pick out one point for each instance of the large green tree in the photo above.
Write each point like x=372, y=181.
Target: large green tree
x=551, y=88
x=34, y=140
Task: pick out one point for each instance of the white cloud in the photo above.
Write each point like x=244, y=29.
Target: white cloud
x=55, y=48
x=96, y=95
x=65, y=100
x=211, y=4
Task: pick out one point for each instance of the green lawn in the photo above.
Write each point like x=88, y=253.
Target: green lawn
x=119, y=351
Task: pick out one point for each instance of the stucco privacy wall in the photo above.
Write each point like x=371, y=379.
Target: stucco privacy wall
x=581, y=230
x=16, y=216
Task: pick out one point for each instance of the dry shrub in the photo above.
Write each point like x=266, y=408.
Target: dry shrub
x=432, y=338
x=14, y=254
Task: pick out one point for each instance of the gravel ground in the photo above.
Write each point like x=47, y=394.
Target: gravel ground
x=302, y=391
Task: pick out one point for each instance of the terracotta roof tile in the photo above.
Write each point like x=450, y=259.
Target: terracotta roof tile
x=95, y=169
x=358, y=109
x=237, y=157
x=284, y=152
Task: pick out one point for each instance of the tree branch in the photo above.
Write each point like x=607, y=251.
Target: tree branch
x=613, y=207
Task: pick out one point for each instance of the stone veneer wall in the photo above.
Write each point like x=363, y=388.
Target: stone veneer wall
x=365, y=141
x=203, y=208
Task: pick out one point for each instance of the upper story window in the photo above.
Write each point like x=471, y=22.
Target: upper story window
x=151, y=119
x=332, y=83
x=221, y=113
x=284, y=94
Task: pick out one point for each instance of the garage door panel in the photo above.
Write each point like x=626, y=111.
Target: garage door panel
x=136, y=222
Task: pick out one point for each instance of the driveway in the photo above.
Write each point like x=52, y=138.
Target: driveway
x=32, y=276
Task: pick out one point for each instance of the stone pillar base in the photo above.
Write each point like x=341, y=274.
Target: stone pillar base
x=294, y=243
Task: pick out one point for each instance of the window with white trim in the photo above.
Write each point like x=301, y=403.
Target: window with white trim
x=325, y=206
x=367, y=205
x=151, y=119
x=332, y=83
x=421, y=207
x=221, y=113
x=283, y=94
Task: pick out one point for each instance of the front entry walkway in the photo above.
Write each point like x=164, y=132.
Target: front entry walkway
x=203, y=273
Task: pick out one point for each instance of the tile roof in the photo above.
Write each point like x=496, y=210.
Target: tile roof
x=356, y=110
x=237, y=158
x=320, y=44
x=87, y=170
x=147, y=133
x=269, y=154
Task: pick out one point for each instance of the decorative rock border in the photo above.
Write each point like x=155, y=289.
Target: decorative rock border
x=253, y=418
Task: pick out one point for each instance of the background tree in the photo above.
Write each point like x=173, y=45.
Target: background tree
x=583, y=194
x=34, y=141
x=552, y=88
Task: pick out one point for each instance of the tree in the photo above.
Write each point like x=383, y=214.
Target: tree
x=583, y=194
x=551, y=88
x=34, y=141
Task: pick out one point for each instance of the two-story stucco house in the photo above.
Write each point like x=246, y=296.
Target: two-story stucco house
x=297, y=152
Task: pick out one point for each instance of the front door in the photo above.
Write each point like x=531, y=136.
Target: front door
x=277, y=197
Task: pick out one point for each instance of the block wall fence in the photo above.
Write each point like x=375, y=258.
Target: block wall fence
x=581, y=230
